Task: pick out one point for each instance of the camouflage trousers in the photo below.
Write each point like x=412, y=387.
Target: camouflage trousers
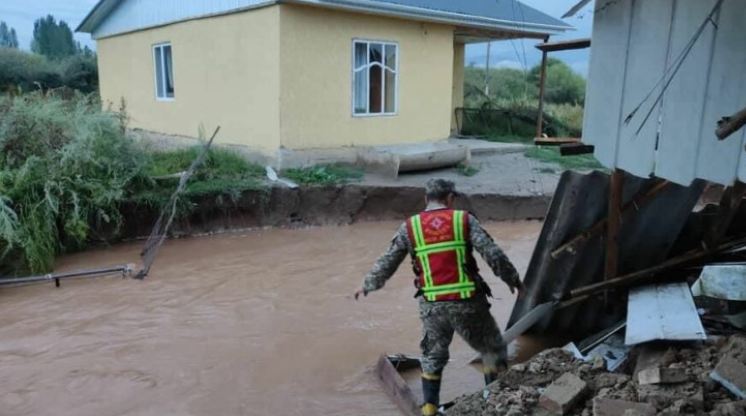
x=472, y=320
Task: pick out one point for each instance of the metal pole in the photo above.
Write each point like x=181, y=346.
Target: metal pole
x=126, y=270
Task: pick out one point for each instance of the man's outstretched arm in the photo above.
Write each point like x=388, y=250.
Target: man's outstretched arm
x=386, y=265
x=493, y=255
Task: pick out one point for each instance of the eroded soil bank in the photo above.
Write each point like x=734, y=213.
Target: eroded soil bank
x=253, y=323
x=327, y=205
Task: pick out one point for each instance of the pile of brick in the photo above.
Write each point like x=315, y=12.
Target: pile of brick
x=707, y=378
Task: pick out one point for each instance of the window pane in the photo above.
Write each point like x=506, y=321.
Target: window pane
x=169, y=71
x=361, y=91
x=391, y=57
x=361, y=52
x=158, y=73
x=376, y=53
x=376, y=80
x=390, y=92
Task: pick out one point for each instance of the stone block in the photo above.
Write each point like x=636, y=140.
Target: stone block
x=613, y=407
x=731, y=373
x=562, y=395
x=662, y=375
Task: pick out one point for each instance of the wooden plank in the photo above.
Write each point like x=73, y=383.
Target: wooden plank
x=611, y=34
x=646, y=63
x=718, y=161
x=555, y=141
x=727, y=210
x=684, y=100
x=564, y=45
x=396, y=388
x=662, y=312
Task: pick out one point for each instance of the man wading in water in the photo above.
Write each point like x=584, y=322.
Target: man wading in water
x=453, y=297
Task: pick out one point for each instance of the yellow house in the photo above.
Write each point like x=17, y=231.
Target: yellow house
x=298, y=74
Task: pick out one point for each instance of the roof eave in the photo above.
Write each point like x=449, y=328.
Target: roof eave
x=437, y=16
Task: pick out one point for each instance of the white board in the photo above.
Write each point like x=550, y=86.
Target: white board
x=662, y=312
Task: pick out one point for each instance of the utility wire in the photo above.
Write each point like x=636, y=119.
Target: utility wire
x=673, y=70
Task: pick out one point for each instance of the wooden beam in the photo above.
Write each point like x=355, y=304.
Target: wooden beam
x=611, y=267
x=564, y=45
x=729, y=125
x=396, y=388
x=555, y=141
x=640, y=200
x=573, y=149
x=542, y=81
x=648, y=274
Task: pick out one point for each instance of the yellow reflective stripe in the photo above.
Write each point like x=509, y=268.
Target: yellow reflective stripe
x=431, y=376
x=455, y=287
x=458, y=229
x=417, y=231
x=439, y=247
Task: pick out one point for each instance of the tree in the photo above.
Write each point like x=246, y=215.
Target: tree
x=53, y=40
x=8, y=38
x=562, y=84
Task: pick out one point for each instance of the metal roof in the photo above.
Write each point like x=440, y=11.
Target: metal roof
x=502, y=15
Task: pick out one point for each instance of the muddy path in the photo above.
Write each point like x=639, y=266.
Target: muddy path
x=254, y=323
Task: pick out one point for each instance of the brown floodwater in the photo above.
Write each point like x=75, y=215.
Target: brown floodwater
x=252, y=323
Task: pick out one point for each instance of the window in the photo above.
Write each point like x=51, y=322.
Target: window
x=375, y=78
x=164, y=72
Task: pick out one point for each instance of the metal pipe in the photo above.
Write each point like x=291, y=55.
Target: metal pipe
x=126, y=270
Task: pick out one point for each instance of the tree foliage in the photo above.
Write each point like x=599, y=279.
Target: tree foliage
x=8, y=37
x=21, y=71
x=563, y=86
x=52, y=39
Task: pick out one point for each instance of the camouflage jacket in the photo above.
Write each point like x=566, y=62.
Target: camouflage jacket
x=481, y=241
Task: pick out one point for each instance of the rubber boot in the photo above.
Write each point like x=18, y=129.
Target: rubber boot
x=489, y=377
x=431, y=394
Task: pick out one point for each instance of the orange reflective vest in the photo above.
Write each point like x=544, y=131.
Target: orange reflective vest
x=442, y=252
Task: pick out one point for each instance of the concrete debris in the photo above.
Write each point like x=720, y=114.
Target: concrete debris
x=563, y=394
x=612, y=407
x=662, y=375
x=553, y=378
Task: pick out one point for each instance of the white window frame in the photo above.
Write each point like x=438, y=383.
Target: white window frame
x=384, y=43
x=157, y=46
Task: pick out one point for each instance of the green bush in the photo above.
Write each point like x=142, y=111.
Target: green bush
x=64, y=169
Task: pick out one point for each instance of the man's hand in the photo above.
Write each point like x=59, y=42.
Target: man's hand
x=361, y=292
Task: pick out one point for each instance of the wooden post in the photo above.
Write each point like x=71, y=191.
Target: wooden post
x=612, y=231
x=729, y=125
x=542, y=81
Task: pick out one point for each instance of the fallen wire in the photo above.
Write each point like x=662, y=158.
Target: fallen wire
x=165, y=219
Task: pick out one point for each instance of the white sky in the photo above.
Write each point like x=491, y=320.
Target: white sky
x=21, y=15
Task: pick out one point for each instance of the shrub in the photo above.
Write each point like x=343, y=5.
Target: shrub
x=22, y=72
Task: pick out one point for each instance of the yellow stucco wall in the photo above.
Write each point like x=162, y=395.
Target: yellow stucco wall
x=226, y=72
x=457, y=98
x=316, y=79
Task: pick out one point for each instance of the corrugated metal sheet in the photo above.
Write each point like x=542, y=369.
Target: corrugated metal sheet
x=131, y=15
x=634, y=42
x=645, y=239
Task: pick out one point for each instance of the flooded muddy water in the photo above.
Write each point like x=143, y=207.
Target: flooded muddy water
x=253, y=323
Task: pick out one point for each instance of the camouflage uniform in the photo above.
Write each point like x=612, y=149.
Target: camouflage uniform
x=470, y=318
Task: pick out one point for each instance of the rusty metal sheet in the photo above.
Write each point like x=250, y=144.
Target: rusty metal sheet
x=645, y=239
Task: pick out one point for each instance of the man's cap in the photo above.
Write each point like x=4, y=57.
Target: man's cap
x=440, y=188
